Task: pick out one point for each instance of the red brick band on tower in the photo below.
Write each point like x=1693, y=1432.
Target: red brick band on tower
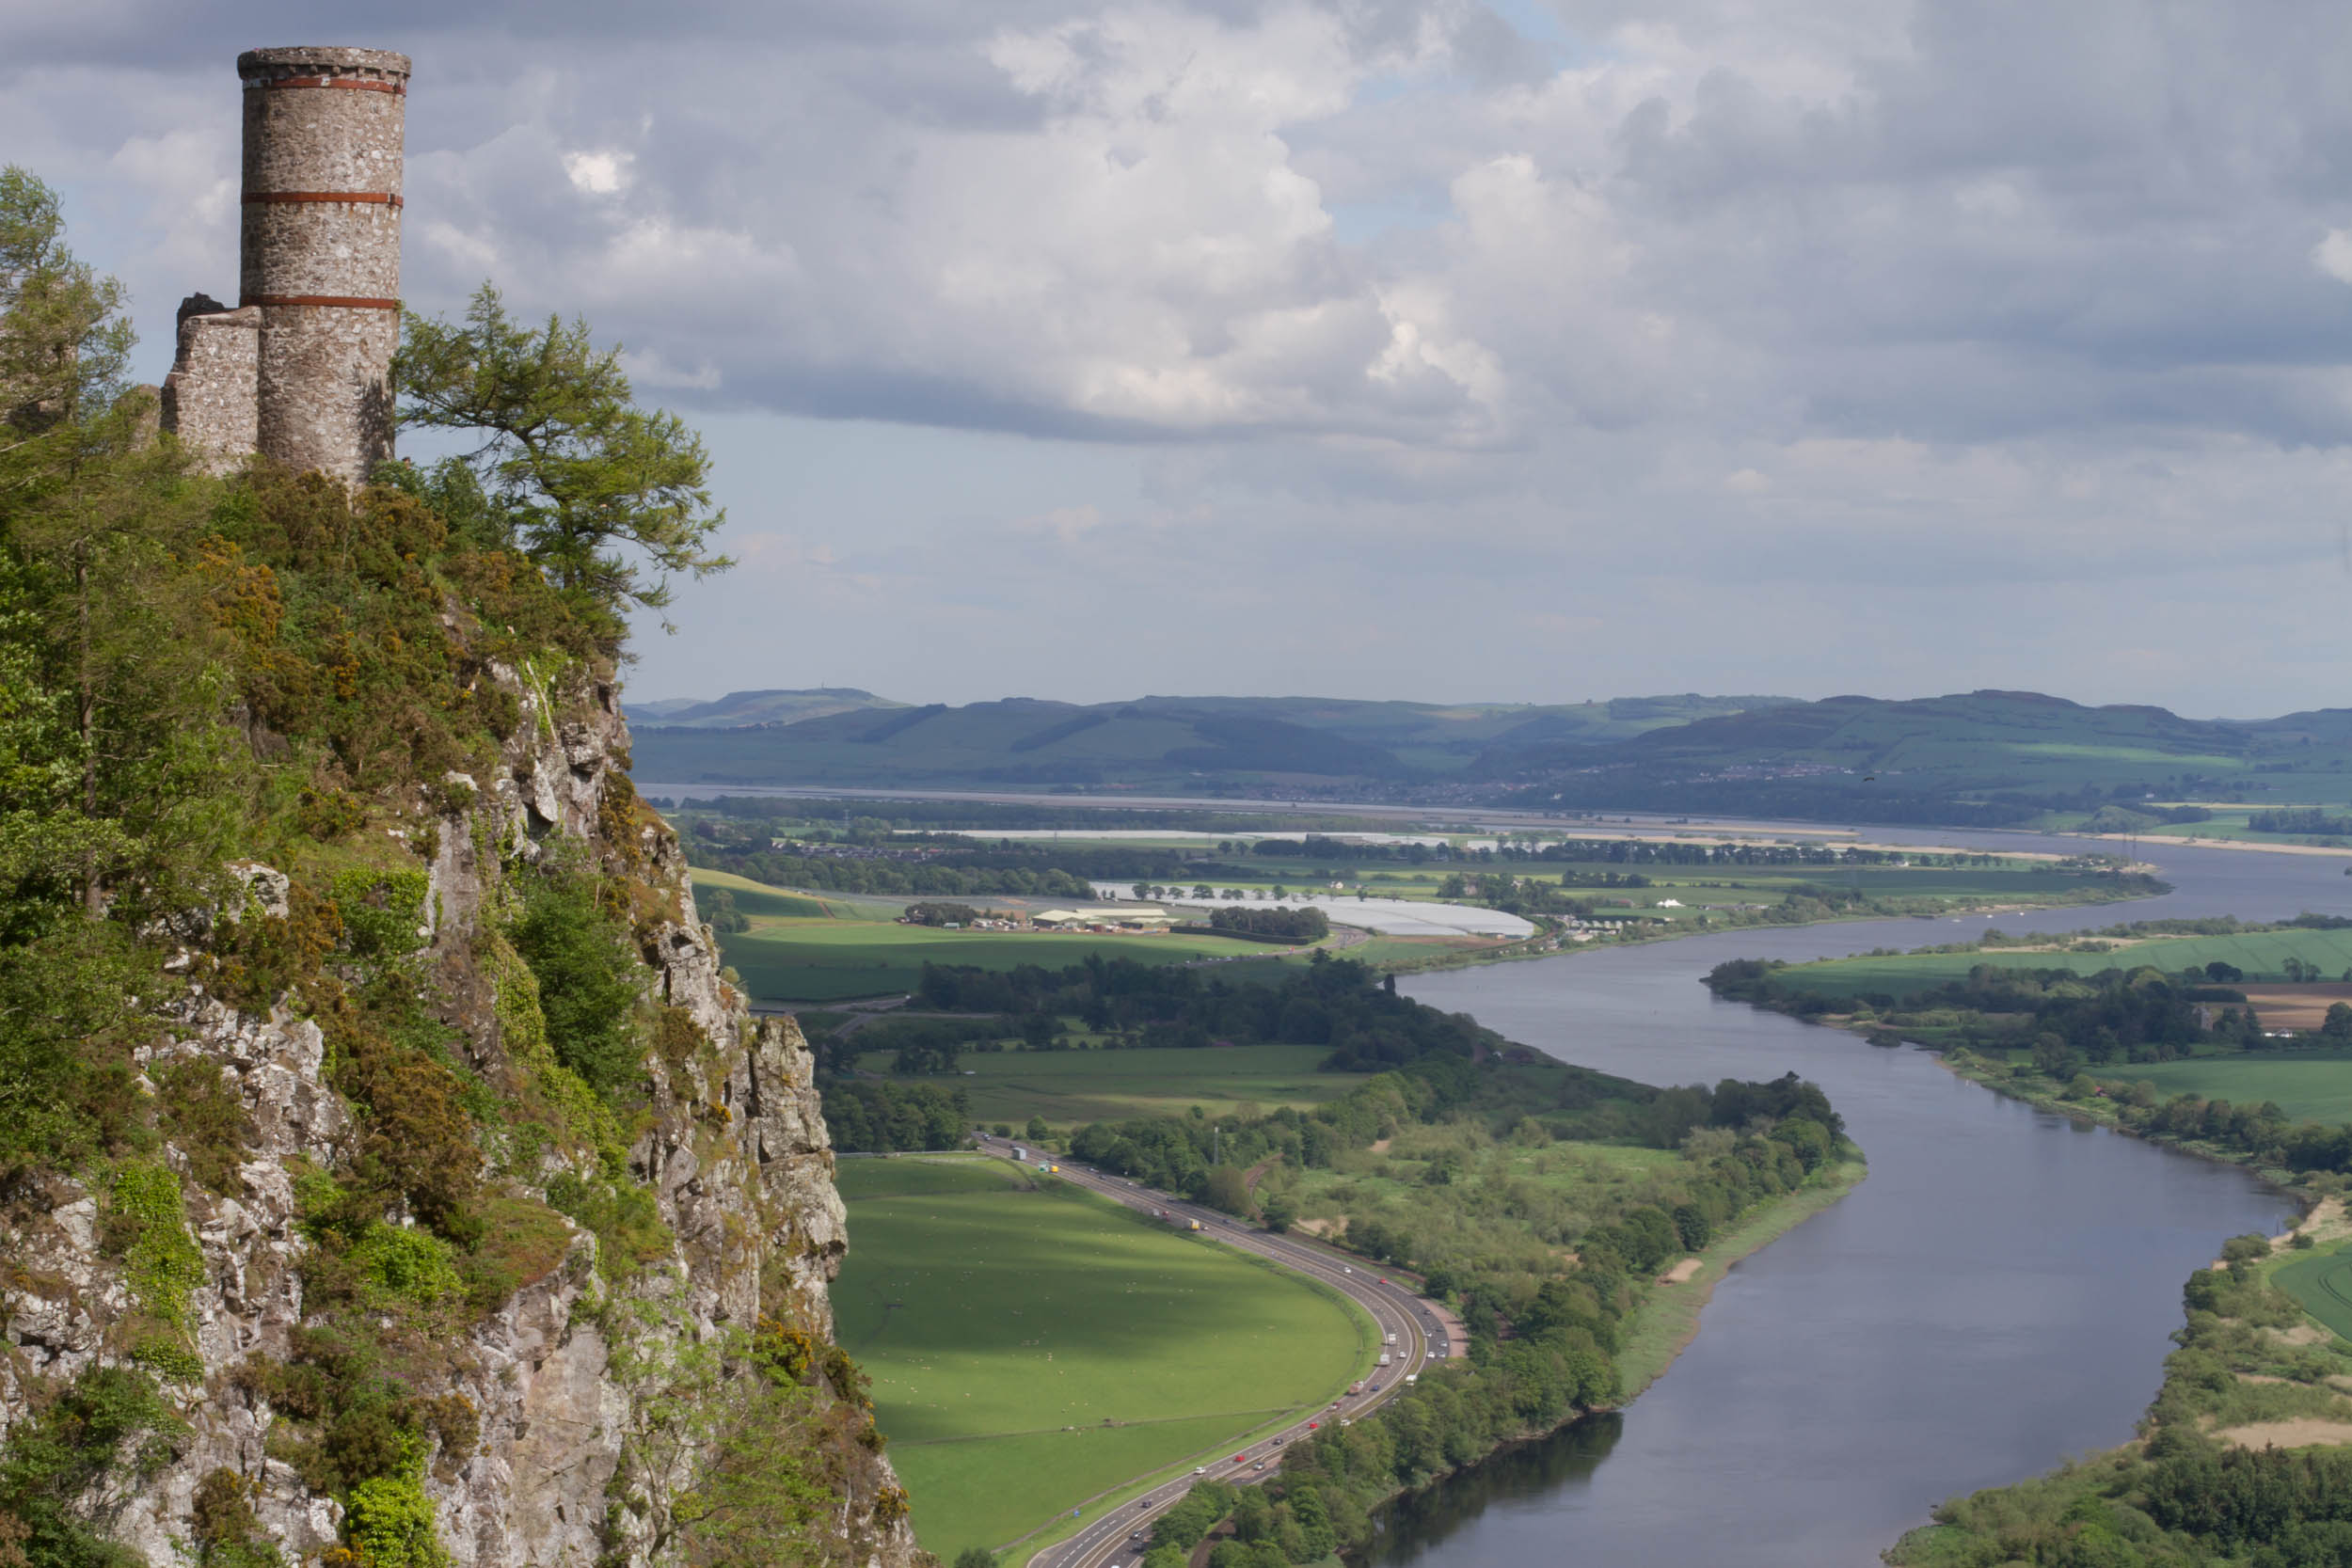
x=399, y=88
x=386, y=197
x=347, y=302
x=321, y=250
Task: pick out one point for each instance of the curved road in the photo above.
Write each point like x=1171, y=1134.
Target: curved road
x=1422, y=1330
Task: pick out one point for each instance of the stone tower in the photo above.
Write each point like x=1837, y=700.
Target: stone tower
x=301, y=370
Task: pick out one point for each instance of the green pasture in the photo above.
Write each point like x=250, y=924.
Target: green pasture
x=827, y=960
x=1072, y=1087
x=758, y=899
x=2309, y=1086
x=2260, y=955
x=1031, y=1345
x=2322, y=1284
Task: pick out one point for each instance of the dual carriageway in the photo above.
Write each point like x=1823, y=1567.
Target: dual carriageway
x=1424, y=1331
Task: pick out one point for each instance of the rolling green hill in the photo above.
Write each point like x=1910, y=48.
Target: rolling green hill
x=1172, y=742
x=1981, y=758
x=1989, y=758
x=740, y=709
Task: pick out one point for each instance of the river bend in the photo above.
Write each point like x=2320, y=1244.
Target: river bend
x=1996, y=1296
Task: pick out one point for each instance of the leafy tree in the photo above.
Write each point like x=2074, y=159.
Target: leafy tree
x=1228, y=1189
x=586, y=980
x=574, y=470
x=64, y=343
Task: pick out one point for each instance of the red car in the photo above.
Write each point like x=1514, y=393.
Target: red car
x=1311, y=1425
x=1239, y=1458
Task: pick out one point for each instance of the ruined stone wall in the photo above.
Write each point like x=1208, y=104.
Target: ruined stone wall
x=210, y=399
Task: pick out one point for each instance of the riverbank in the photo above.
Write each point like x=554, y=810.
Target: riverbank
x=1545, y=1368
x=1669, y=1320
x=1549, y=944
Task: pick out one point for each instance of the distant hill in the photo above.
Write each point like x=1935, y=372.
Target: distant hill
x=1159, y=742
x=1983, y=757
x=1979, y=758
x=738, y=708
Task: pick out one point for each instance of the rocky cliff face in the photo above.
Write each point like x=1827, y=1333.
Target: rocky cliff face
x=581, y=1417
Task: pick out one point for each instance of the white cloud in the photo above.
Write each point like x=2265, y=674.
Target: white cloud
x=598, y=173
x=2333, y=255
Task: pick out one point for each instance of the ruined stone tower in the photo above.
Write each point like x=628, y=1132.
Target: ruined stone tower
x=301, y=370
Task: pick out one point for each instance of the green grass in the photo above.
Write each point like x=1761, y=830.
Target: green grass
x=2322, y=1284
x=2313, y=1086
x=827, y=960
x=1069, y=1087
x=1081, y=1464
x=2261, y=956
x=993, y=1314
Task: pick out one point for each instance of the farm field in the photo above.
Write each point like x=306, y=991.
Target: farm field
x=1072, y=1087
x=1006, y=1320
x=758, y=898
x=823, y=959
x=2313, y=1086
x=2261, y=956
x=2323, y=1283
x=2303, y=1006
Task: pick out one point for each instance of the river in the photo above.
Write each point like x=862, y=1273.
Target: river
x=1996, y=1296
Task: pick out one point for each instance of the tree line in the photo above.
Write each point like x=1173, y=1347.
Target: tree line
x=1334, y=1001
x=1281, y=924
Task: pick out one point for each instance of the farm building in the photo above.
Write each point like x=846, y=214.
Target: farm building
x=1104, y=919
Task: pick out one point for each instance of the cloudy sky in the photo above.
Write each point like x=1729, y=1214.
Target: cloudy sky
x=1519, y=350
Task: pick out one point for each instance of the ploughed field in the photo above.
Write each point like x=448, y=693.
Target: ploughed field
x=1031, y=1345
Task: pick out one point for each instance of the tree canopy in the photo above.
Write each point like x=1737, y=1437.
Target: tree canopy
x=610, y=500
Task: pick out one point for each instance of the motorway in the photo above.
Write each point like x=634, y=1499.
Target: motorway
x=1424, y=1332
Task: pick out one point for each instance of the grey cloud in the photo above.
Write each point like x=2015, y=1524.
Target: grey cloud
x=1974, y=295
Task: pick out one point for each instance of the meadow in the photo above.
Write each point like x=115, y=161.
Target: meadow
x=2260, y=955
x=1068, y=1088
x=2309, y=1086
x=2322, y=1285
x=1031, y=1345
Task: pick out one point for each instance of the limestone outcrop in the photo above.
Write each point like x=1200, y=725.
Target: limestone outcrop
x=552, y=1401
